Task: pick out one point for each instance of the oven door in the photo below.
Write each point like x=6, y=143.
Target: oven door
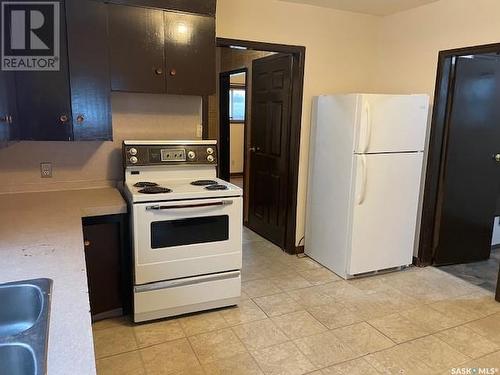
x=186, y=238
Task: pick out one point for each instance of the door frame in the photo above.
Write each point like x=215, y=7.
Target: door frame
x=438, y=146
x=298, y=54
x=225, y=125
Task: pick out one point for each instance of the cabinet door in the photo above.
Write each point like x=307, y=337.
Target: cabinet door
x=43, y=98
x=102, y=255
x=89, y=70
x=190, y=6
x=8, y=115
x=190, y=54
x=136, y=43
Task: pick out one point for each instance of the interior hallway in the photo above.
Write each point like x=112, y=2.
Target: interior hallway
x=238, y=181
x=483, y=274
x=296, y=317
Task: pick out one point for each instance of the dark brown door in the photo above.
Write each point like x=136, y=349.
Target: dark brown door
x=190, y=54
x=471, y=181
x=43, y=98
x=136, y=49
x=102, y=255
x=89, y=70
x=8, y=115
x=497, y=294
x=224, y=127
x=270, y=131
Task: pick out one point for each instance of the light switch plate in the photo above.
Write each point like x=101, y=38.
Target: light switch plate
x=46, y=170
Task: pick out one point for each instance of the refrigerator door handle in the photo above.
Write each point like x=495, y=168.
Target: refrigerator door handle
x=364, y=177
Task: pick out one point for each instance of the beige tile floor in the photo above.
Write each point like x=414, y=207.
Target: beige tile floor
x=296, y=317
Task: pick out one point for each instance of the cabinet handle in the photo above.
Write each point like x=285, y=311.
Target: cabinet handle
x=80, y=119
x=159, y=71
x=86, y=243
x=7, y=119
x=63, y=118
x=173, y=72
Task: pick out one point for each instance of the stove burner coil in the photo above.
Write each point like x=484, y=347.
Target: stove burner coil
x=216, y=187
x=204, y=182
x=154, y=190
x=143, y=184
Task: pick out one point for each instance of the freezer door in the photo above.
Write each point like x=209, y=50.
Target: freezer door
x=391, y=123
x=384, y=216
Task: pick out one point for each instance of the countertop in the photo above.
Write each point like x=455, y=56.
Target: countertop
x=41, y=236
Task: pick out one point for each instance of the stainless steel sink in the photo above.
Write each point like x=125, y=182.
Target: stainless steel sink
x=21, y=308
x=24, y=326
x=17, y=359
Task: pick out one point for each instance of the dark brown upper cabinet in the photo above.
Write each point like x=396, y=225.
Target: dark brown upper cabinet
x=190, y=54
x=72, y=103
x=136, y=49
x=153, y=51
x=207, y=7
x=89, y=70
x=8, y=108
x=43, y=98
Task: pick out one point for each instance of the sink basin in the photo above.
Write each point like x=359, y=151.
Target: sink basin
x=24, y=326
x=21, y=308
x=17, y=359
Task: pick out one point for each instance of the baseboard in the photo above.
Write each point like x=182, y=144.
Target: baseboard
x=107, y=315
x=417, y=263
x=497, y=246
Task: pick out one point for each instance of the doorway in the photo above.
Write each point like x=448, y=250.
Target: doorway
x=259, y=146
x=462, y=192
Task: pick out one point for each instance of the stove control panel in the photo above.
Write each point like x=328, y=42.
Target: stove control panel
x=143, y=155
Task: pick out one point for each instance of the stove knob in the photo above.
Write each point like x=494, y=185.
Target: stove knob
x=210, y=158
x=210, y=151
x=133, y=151
x=133, y=160
x=191, y=155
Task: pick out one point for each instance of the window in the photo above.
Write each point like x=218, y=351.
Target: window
x=237, y=104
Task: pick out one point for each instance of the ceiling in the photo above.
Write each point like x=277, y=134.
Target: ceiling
x=374, y=7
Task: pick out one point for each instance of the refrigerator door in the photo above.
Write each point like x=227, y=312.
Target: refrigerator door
x=330, y=178
x=391, y=123
x=384, y=216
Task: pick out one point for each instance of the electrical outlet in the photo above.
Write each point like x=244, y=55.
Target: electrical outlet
x=46, y=170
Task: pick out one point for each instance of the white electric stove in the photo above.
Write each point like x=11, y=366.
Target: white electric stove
x=186, y=226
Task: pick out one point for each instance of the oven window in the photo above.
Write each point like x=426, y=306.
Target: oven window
x=189, y=231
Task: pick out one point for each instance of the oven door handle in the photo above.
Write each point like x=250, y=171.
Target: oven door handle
x=197, y=205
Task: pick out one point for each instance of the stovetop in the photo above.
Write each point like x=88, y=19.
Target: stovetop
x=180, y=189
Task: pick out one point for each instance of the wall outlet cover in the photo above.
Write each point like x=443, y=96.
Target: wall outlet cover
x=46, y=170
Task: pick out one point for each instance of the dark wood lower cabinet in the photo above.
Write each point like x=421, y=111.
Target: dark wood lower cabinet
x=108, y=265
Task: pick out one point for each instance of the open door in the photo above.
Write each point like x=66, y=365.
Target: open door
x=270, y=132
x=224, y=126
x=470, y=173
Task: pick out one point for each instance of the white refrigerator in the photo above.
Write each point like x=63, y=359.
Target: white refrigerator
x=364, y=181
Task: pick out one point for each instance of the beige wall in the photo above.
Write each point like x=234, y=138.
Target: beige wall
x=237, y=147
x=409, y=42
x=76, y=164
x=339, y=52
